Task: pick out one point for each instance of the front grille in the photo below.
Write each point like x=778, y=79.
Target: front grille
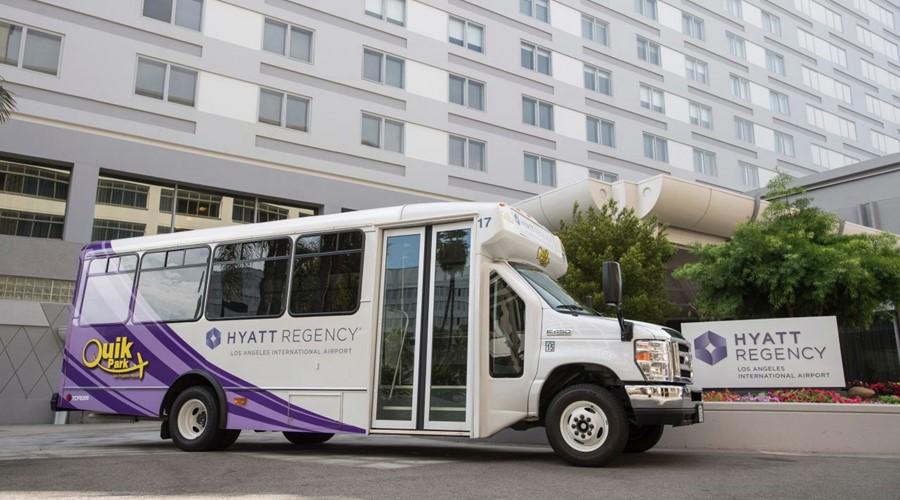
x=682, y=360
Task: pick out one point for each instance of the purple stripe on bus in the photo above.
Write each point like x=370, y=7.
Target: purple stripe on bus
x=105, y=398
x=97, y=382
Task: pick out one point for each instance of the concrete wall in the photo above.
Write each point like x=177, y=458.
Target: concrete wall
x=30, y=356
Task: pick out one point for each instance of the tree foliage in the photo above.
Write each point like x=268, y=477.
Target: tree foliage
x=792, y=262
x=7, y=103
x=641, y=248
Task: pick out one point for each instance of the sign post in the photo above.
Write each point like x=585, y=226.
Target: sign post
x=766, y=353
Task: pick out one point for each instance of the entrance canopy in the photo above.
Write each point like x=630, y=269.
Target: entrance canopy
x=694, y=212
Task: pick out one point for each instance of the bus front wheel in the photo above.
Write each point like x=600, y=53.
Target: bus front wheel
x=307, y=438
x=193, y=421
x=586, y=425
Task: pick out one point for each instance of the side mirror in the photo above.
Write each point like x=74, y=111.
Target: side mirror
x=612, y=283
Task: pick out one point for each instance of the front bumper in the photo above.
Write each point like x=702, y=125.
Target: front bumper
x=665, y=404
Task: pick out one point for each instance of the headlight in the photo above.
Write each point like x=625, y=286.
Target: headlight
x=653, y=358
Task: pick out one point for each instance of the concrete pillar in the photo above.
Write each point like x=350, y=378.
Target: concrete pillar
x=80, y=205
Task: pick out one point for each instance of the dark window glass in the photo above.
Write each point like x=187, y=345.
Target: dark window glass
x=107, y=290
x=457, y=89
x=16, y=223
x=10, y=41
x=120, y=193
x=249, y=279
x=301, y=44
x=113, y=230
x=151, y=78
x=182, y=85
x=327, y=273
x=158, y=9
x=270, y=106
x=507, y=331
x=170, y=287
x=296, y=113
x=34, y=181
x=41, y=52
x=188, y=13
x=372, y=65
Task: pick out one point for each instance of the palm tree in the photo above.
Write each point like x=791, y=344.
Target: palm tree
x=7, y=103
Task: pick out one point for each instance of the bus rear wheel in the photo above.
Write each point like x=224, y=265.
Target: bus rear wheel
x=307, y=438
x=586, y=425
x=193, y=421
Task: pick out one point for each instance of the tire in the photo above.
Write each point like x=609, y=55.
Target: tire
x=601, y=426
x=643, y=437
x=307, y=438
x=193, y=421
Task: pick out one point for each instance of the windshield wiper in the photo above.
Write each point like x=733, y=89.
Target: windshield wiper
x=570, y=307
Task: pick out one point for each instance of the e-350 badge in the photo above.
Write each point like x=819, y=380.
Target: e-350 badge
x=114, y=357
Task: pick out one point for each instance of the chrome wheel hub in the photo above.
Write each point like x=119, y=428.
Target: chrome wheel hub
x=584, y=426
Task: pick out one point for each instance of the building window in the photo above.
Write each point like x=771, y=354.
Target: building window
x=594, y=29
x=292, y=41
x=249, y=279
x=190, y=202
x=382, y=133
x=165, y=81
x=382, y=68
x=466, y=92
x=250, y=210
x=601, y=131
x=784, y=143
x=653, y=99
x=121, y=193
x=327, y=273
x=749, y=176
x=648, y=51
x=602, y=175
x=771, y=23
x=284, y=110
x=696, y=70
x=743, y=130
x=693, y=26
x=705, y=162
x=700, y=115
x=393, y=11
x=465, y=152
x=536, y=58
x=466, y=34
x=737, y=46
x=35, y=225
x=538, y=9
x=186, y=13
x=540, y=170
x=735, y=8
x=40, y=52
x=740, y=87
x=598, y=80
x=656, y=148
x=775, y=62
x=646, y=8
x=779, y=103
x=105, y=229
x=36, y=289
x=506, y=331
x=537, y=113
x=39, y=182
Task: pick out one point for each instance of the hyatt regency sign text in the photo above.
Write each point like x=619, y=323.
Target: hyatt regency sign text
x=766, y=353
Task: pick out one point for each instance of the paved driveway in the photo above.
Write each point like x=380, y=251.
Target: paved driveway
x=130, y=460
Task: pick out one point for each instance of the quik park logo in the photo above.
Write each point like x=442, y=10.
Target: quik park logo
x=115, y=358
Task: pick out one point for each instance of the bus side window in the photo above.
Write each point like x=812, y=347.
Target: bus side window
x=107, y=291
x=327, y=273
x=507, y=330
x=249, y=280
x=170, y=286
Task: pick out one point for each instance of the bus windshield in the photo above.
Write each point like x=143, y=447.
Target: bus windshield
x=551, y=291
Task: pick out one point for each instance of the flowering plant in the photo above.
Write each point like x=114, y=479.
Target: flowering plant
x=790, y=396
x=880, y=388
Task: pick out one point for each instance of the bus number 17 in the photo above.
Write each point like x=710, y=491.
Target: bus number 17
x=484, y=222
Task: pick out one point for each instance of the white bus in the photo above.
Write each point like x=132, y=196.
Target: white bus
x=434, y=319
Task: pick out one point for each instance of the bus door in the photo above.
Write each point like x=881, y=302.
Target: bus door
x=423, y=377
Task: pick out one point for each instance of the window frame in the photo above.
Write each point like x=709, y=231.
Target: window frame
x=739, y=124
x=657, y=140
x=539, y=172
x=695, y=24
x=383, y=57
x=705, y=153
x=736, y=43
x=166, y=81
x=532, y=4
x=288, y=36
x=173, y=15
x=24, y=29
x=284, y=103
x=595, y=72
x=291, y=266
x=81, y=289
x=465, y=94
x=203, y=292
x=647, y=46
x=599, y=129
x=641, y=6
x=700, y=109
x=697, y=63
x=466, y=161
x=381, y=128
x=490, y=280
x=383, y=15
x=594, y=22
x=287, y=282
x=535, y=57
x=775, y=63
x=779, y=97
x=536, y=111
x=652, y=92
x=465, y=22
x=771, y=23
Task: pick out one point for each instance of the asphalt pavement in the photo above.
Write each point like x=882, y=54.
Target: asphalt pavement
x=129, y=460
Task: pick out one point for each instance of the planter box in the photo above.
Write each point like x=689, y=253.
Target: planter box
x=793, y=427
x=864, y=429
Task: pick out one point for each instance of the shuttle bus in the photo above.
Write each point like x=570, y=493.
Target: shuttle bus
x=432, y=319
